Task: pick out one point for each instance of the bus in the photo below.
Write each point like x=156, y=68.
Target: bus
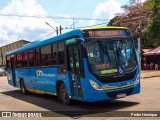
x=88, y=64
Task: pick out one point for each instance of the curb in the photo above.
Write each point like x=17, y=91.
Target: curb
x=149, y=76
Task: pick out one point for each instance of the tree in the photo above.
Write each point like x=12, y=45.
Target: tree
x=111, y=22
x=145, y=16
x=154, y=27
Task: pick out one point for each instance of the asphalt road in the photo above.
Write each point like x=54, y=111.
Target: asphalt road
x=11, y=99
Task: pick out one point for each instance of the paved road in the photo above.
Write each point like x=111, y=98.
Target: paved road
x=11, y=99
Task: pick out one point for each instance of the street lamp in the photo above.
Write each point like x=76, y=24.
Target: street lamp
x=52, y=27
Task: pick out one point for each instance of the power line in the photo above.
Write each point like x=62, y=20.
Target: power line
x=52, y=17
x=93, y=25
x=71, y=28
x=47, y=35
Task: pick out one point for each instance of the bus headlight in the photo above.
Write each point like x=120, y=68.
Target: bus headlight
x=137, y=80
x=95, y=85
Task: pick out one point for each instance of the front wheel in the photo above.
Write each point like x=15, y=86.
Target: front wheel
x=64, y=95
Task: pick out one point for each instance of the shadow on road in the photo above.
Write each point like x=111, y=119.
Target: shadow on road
x=78, y=108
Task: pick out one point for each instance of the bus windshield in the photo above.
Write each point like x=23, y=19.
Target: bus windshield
x=110, y=57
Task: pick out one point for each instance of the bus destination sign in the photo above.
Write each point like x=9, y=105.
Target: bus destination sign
x=105, y=33
x=100, y=33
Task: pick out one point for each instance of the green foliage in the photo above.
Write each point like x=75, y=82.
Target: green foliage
x=148, y=16
x=147, y=6
x=154, y=26
x=112, y=21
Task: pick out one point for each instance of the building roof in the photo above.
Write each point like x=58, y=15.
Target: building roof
x=16, y=42
x=155, y=51
x=148, y=49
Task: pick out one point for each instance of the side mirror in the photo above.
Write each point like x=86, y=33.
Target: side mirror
x=80, y=39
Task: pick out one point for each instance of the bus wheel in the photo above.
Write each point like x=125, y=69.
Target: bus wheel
x=23, y=87
x=64, y=95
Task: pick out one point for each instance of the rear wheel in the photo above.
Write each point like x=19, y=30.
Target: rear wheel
x=63, y=94
x=23, y=87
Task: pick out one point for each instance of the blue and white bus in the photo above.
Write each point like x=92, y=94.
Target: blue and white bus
x=89, y=64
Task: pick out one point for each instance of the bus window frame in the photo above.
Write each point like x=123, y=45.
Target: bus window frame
x=15, y=63
x=33, y=60
x=41, y=56
x=55, y=43
x=8, y=68
x=39, y=48
x=58, y=51
x=23, y=59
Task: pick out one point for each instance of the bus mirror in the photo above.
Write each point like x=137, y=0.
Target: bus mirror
x=80, y=39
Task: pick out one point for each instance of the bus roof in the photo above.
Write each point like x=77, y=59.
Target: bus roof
x=102, y=27
x=76, y=32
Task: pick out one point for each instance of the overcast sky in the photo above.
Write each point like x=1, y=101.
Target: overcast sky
x=13, y=28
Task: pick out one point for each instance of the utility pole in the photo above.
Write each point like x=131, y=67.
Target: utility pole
x=57, y=30
x=139, y=43
x=73, y=24
x=60, y=29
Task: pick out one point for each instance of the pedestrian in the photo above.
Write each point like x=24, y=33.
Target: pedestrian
x=156, y=66
x=151, y=65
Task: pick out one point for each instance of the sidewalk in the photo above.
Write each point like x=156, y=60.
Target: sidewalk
x=150, y=73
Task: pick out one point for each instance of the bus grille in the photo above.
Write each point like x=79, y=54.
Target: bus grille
x=114, y=94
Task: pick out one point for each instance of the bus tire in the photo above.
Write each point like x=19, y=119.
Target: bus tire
x=64, y=95
x=23, y=87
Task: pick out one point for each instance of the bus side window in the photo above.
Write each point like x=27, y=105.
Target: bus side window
x=46, y=56
x=8, y=62
x=37, y=56
x=25, y=59
x=31, y=58
x=54, y=50
x=19, y=60
x=61, y=57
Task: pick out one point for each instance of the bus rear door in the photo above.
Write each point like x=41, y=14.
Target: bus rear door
x=75, y=70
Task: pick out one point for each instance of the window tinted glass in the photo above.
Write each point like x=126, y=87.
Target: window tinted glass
x=61, y=57
x=46, y=56
x=25, y=59
x=31, y=58
x=37, y=63
x=54, y=53
x=19, y=60
x=8, y=62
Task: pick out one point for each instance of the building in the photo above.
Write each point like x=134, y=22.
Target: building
x=10, y=47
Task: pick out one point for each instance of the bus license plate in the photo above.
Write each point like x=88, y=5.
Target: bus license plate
x=121, y=95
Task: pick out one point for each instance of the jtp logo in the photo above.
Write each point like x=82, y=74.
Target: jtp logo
x=6, y=114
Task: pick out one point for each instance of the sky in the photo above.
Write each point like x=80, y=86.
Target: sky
x=26, y=19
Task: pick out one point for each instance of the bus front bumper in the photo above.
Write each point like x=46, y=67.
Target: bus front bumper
x=99, y=95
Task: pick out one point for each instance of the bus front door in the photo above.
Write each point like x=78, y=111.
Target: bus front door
x=75, y=70
x=13, y=70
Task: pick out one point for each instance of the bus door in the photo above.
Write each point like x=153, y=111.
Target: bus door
x=75, y=69
x=13, y=69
